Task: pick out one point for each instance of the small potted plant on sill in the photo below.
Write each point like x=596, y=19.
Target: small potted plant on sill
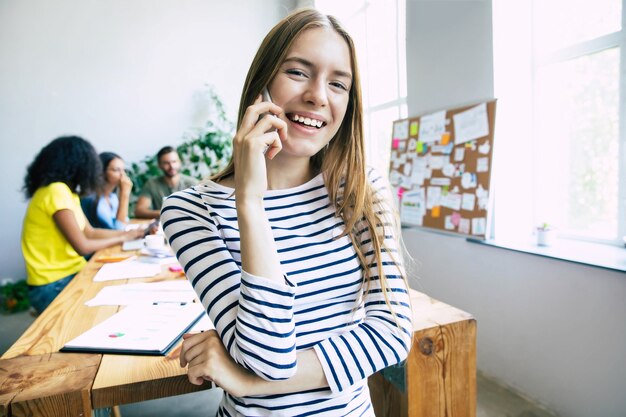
x=545, y=235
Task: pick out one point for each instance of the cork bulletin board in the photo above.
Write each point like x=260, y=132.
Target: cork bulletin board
x=441, y=166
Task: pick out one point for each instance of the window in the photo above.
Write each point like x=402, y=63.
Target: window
x=378, y=30
x=557, y=66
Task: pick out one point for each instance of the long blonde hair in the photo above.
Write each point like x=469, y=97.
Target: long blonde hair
x=343, y=161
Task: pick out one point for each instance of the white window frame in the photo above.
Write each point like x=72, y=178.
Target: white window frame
x=579, y=49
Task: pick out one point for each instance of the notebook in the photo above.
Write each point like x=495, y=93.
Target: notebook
x=139, y=330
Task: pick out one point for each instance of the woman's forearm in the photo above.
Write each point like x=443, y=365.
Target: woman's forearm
x=122, y=209
x=310, y=375
x=259, y=255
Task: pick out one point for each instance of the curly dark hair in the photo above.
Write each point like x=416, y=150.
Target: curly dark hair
x=68, y=159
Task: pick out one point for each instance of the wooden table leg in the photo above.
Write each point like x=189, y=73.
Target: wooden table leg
x=439, y=376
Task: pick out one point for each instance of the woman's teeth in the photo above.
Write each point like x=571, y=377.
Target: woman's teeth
x=307, y=121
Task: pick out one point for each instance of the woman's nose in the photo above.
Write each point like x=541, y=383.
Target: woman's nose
x=316, y=94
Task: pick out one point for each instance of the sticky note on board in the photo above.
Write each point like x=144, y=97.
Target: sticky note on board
x=414, y=129
x=420, y=147
x=435, y=212
x=395, y=143
x=445, y=138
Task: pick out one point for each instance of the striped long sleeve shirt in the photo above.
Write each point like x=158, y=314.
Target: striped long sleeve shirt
x=320, y=305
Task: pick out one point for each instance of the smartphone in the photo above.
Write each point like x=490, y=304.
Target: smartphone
x=266, y=97
x=265, y=94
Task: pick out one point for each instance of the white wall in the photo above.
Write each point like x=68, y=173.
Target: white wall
x=122, y=74
x=553, y=330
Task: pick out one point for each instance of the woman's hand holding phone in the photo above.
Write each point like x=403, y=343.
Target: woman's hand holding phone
x=258, y=138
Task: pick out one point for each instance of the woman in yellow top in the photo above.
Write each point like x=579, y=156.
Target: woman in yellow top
x=56, y=235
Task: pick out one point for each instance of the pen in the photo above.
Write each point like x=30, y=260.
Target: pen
x=156, y=303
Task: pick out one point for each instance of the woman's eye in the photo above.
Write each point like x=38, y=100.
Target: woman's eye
x=339, y=85
x=296, y=72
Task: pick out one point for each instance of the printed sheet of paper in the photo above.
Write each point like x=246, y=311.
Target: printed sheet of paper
x=413, y=207
x=471, y=124
x=432, y=126
x=126, y=270
x=401, y=130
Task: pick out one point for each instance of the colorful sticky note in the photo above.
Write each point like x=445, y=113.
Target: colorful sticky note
x=436, y=212
x=421, y=148
x=414, y=128
x=395, y=143
x=445, y=138
x=444, y=190
x=456, y=218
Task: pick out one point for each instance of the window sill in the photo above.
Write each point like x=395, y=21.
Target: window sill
x=586, y=253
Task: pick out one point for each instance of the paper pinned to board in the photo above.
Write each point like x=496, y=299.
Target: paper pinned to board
x=432, y=126
x=413, y=207
x=401, y=129
x=126, y=270
x=471, y=124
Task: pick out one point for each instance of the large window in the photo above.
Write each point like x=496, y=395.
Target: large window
x=378, y=30
x=557, y=67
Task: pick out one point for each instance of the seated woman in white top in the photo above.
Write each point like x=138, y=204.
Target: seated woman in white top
x=108, y=208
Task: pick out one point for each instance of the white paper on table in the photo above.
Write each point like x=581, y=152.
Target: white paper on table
x=177, y=291
x=471, y=124
x=148, y=329
x=432, y=126
x=132, y=245
x=126, y=270
x=202, y=325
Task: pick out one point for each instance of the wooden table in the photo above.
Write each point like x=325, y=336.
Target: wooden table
x=439, y=377
x=37, y=380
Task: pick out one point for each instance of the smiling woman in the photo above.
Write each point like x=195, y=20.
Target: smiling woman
x=293, y=248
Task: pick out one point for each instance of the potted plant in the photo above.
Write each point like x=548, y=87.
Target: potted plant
x=545, y=235
x=13, y=296
x=204, y=151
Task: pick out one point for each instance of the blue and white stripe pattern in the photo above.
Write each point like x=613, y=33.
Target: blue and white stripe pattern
x=263, y=323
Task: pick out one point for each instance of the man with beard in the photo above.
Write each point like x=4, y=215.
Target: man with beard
x=156, y=189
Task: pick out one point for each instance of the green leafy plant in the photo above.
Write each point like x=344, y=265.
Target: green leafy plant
x=14, y=297
x=204, y=150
